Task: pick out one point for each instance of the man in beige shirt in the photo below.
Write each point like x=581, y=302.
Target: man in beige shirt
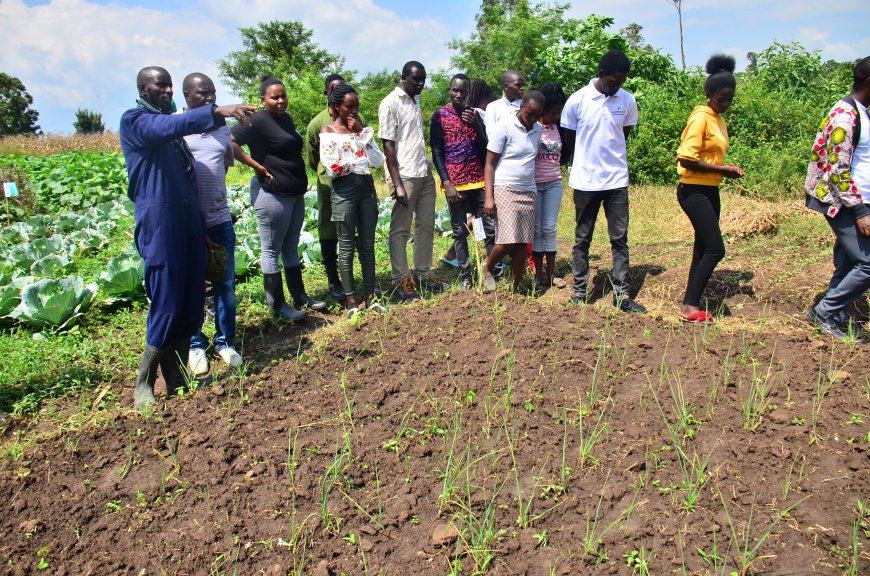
x=413, y=187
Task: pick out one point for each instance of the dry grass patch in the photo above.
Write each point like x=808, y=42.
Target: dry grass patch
x=46, y=144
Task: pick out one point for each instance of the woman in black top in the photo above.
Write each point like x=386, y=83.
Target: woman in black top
x=277, y=195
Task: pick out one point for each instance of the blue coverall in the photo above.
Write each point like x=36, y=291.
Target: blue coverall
x=170, y=232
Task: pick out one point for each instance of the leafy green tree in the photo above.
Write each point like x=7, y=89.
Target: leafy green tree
x=16, y=115
x=88, y=122
x=283, y=49
x=573, y=60
x=372, y=88
x=648, y=63
x=510, y=34
x=789, y=68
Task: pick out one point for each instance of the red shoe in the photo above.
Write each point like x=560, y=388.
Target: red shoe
x=699, y=317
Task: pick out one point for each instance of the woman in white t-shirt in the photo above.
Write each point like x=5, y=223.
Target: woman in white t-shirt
x=348, y=152
x=509, y=186
x=548, y=178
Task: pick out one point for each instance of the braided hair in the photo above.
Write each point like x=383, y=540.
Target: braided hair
x=478, y=92
x=553, y=95
x=336, y=97
x=720, y=68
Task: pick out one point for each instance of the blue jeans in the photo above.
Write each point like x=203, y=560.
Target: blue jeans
x=224, y=293
x=547, y=204
x=279, y=220
x=851, y=268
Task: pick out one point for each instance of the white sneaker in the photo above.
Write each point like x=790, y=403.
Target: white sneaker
x=230, y=356
x=197, y=361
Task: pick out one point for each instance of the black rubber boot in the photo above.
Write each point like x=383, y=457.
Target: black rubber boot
x=297, y=288
x=329, y=250
x=144, y=395
x=273, y=286
x=173, y=365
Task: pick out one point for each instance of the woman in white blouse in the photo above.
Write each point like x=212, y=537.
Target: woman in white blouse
x=509, y=186
x=348, y=152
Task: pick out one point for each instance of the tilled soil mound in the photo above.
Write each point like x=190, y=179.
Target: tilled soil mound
x=485, y=434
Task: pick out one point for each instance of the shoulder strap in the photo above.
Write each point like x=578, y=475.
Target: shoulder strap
x=856, y=134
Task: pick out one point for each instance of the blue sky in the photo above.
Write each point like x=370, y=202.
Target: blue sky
x=85, y=53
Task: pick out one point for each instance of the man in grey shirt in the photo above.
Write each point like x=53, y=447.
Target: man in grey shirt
x=213, y=155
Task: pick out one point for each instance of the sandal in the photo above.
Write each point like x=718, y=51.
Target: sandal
x=699, y=317
x=559, y=282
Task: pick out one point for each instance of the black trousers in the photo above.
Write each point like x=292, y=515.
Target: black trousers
x=471, y=202
x=702, y=205
x=586, y=207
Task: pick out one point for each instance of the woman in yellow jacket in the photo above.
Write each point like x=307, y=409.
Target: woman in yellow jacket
x=701, y=165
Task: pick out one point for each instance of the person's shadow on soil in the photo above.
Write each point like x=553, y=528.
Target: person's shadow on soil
x=727, y=284
x=602, y=284
x=263, y=342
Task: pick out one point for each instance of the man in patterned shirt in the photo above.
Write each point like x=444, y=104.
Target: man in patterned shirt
x=458, y=142
x=838, y=186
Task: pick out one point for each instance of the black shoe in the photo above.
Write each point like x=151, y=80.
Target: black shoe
x=830, y=327
x=297, y=289
x=626, y=304
x=431, y=283
x=273, y=287
x=578, y=299
x=336, y=293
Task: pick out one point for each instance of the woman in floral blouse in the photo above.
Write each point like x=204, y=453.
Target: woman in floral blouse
x=348, y=152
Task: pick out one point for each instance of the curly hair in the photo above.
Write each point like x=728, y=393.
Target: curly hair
x=720, y=68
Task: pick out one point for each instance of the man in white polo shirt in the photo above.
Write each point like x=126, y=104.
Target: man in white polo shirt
x=401, y=129
x=513, y=87
x=598, y=119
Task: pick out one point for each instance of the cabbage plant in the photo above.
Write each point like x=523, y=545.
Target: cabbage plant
x=247, y=255
x=51, y=265
x=124, y=277
x=10, y=296
x=54, y=303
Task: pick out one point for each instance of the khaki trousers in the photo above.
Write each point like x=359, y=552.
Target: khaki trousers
x=421, y=206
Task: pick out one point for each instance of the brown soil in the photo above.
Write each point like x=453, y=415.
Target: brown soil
x=424, y=432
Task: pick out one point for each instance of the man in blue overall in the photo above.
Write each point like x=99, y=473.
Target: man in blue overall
x=170, y=232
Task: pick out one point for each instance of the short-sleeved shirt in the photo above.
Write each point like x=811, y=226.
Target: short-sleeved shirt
x=518, y=149
x=549, y=154
x=401, y=121
x=499, y=111
x=212, y=155
x=600, y=161
x=275, y=143
x=705, y=139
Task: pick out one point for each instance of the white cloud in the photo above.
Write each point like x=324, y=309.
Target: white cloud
x=76, y=54
x=368, y=36
x=79, y=54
